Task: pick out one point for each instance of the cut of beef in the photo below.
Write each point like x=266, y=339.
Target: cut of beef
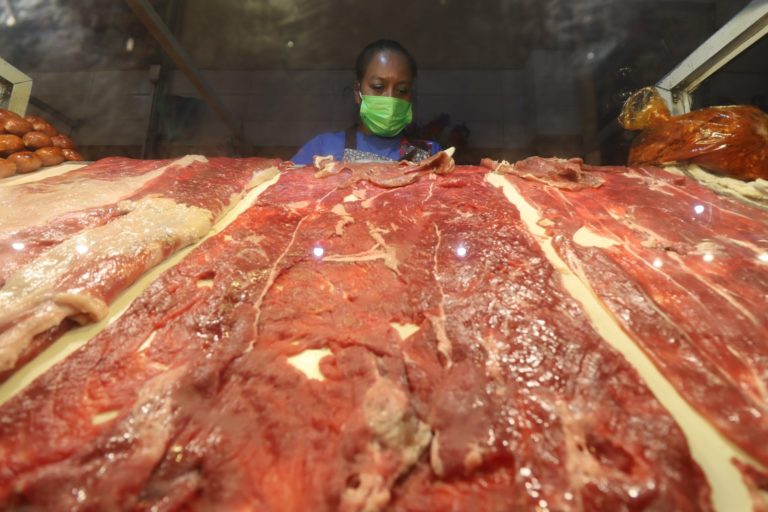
x=344, y=347
x=106, y=248
x=387, y=175
x=44, y=213
x=568, y=174
x=684, y=271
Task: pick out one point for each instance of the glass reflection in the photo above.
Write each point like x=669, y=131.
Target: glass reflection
x=763, y=257
x=461, y=250
x=18, y=246
x=708, y=257
x=82, y=249
x=698, y=209
x=318, y=251
x=658, y=263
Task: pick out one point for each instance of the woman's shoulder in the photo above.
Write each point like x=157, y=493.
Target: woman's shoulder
x=327, y=140
x=331, y=137
x=327, y=143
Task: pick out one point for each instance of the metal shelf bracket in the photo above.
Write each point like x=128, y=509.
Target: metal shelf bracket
x=744, y=29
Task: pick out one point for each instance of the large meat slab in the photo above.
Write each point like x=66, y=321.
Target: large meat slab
x=341, y=346
x=75, y=241
x=683, y=270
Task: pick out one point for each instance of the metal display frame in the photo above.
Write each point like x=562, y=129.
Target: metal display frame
x=146, y=13
x=743, y=30
x=21, y=88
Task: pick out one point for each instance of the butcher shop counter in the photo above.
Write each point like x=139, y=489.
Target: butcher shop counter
x=709, y=448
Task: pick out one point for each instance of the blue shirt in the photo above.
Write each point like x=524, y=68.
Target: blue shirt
x=333, y=144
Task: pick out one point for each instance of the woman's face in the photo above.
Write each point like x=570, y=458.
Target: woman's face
x=388, y=74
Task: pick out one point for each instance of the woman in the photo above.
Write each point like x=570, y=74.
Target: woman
x=383, y=90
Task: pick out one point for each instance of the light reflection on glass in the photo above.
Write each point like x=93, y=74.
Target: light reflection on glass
x=763, y=257
x=318, y=251
x=698, y=209
x=461, y=251
x=708, y=257
x=658, y=263
x=18, y=246
x=82, y=249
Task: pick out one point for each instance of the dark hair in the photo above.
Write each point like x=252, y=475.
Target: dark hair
x=382, y=45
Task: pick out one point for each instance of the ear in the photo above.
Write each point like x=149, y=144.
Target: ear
x=356, y=91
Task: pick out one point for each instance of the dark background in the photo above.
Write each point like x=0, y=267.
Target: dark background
x=498, y=78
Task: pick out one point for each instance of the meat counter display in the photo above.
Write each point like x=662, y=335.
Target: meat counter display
x=544, y=335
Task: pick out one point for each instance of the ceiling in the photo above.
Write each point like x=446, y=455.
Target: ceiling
x=310, y=34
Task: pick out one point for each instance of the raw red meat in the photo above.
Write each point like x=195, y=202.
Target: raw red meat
x=568, y=174
x=44, y=213
x=23, y=237
x=489, y=404
x=685, y=272
x=96, y=253
x=386, y=175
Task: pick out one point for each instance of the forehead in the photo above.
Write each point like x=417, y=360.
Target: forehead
x=388, y=64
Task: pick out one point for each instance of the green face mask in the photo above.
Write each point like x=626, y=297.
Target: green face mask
x=385, y=116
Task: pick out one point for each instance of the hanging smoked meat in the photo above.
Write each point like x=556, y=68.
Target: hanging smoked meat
x=732, y=141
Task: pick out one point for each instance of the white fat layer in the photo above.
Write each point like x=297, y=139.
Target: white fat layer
x=708, y=447
x=345, y=219
x=104, y=417
x=723, y=191
x=147, y=342
x=444, y=344
x=70, y=196
x=339, y=210
x=152, y=225
x=75, y=338
x=404, y=330
x=588, y=238
x=434, y=456
x=380, y=251
x=751, y=191
x=308, y=362
x=45, y=172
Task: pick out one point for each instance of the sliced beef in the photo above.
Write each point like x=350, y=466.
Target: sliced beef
x=444, y=368
x=686, y=273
